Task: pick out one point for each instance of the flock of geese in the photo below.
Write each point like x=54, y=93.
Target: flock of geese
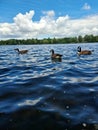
x=59, y=56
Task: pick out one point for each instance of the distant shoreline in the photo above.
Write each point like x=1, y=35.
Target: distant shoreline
x=65, y=40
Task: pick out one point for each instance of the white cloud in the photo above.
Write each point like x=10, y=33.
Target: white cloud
x=23, y=26
x=86, y=6
x=50, y=13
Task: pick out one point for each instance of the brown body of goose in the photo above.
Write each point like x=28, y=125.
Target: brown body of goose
x=83, y=52
x=21, y=51
x=55, y=55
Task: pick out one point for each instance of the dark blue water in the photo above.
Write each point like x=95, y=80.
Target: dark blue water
x=39, y=94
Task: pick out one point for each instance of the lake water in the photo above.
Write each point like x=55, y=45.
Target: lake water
x=39, y=94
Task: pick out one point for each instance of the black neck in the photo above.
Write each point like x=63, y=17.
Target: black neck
x=79, y=49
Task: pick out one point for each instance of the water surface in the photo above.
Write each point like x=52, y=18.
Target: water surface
x=39, y=94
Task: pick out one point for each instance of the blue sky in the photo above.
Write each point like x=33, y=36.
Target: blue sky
x=47, y=18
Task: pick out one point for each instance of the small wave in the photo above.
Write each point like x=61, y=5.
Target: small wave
x=30, y=102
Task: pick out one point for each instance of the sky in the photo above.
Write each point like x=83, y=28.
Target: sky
x=27, y=19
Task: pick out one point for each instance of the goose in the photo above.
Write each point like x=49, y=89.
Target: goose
x=55, y=55
x=83, y=52
x=21, y=51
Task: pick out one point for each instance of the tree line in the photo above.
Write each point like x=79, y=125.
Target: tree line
x=79, y=39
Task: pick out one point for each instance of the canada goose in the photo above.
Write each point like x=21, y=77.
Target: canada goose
x=83, y=52
x=21, y=52
x=55, y=55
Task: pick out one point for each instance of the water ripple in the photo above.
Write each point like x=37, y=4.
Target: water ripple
x=38, y=93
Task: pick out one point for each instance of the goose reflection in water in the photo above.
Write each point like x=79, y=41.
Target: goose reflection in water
x=56, y=60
